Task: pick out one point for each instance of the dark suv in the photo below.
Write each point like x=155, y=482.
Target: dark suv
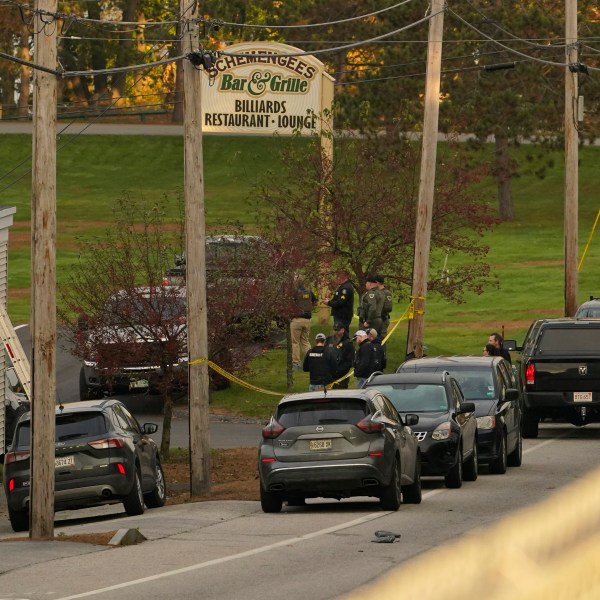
x=338, y=444
x=490, y=383
x=447, y=427
x=102, y=456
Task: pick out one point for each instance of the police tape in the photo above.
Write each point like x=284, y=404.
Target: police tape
x=234, y=379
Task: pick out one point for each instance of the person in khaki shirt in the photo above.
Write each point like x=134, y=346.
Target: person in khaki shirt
x=305, y=301
x=371, y=305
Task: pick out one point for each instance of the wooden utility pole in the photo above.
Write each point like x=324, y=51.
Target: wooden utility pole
x=43, y=284
x=571, y=159
x=195, y=248
x=427, y=179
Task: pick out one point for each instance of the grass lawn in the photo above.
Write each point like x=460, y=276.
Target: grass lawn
x=94, y=171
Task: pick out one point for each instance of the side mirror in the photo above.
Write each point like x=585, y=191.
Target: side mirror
x=466, y=407
x=148, y=428
x=411, y=419
x=511, y=394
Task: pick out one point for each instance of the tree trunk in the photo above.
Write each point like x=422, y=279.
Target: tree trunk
x=125, y=52
x=503, y=179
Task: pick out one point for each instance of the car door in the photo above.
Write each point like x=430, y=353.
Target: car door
x=466, y=421
x=403, y=437
x=508, y=407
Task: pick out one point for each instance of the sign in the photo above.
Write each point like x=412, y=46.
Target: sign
x=263, y=90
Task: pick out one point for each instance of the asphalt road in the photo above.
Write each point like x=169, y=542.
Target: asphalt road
x=231, y=550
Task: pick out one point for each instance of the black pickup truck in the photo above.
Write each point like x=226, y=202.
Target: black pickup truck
x=559, y=370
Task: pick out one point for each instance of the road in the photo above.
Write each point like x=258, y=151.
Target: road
x=231, y=550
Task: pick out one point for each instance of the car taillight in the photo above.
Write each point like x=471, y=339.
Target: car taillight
x=12, y=457
x=272, y=430
x=369, y=426
x=121, y=468
x=11, y=485
x=107, y=443
x=530, y=374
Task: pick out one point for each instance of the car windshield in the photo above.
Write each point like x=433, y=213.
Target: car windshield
x=319, y=412
x=68, y=427
x=476, y=383
x=416, y=397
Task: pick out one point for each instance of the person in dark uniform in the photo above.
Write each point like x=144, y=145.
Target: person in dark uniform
x=497, y=341
x=371, y=305
x=379, y=350
x=363, y=361
x=344, y=348
x=342, y=303
x=321, y=362
x=388, y=305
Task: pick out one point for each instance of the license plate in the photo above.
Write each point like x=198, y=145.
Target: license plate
x=582, y=396
x=319, y=444
x=140, y=383
x=64, y=461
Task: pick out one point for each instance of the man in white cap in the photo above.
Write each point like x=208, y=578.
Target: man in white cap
x=321, y=362
x=363, y=361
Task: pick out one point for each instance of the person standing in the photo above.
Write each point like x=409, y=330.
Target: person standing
x=371, y=305
x=388, y=305
x=363, y=361
x=379, y=351
x=305, y=300
x=344, y=350
x=497, y=341
x=321, y=363
x=342, y=303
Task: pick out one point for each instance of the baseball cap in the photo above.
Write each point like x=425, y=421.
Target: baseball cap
x=320, y=337
x=338, y=325
x=359, y=333
x=372, y=278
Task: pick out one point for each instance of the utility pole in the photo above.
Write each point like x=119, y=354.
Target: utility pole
x=43, y=284
x=427, y=178
x=195, y=248
x=571, y=159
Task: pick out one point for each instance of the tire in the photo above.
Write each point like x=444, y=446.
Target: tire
x=471, y=468
x=498, y=467
x=134, y=501
x=413, y=494
x=158, y=496
x=391, y=495
x=454, y=478
x=84, y=391
x=270, y=502
x=516, y=456
x=530, y=425
x=19, y=519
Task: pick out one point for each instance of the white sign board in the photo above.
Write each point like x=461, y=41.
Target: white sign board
x=263, y=90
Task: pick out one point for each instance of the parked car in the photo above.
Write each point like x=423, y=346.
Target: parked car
x=589, y=309
x=102, y=456
x=138, y=332
x=338, y=444
x=447, y=426
x=489, y=382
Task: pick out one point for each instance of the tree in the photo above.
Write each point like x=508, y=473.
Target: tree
x=371, y=190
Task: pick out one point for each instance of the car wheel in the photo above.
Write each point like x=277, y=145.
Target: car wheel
x=19, y=519
x=270, y=502
x=84, y=390
x=530, y=425
x=454, y=478
x=412, y=494
x=391, y=495
x=471, y=468
x=516, y=456
x=134, y=501
x=158, y=496
x=498, y=467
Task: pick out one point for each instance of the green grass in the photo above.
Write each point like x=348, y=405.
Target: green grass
x=526, y=254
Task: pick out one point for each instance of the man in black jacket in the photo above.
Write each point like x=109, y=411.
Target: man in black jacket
x=379, y=351
x=363, y=361
x=342, y=303
x=344, y=349
x=321, y=362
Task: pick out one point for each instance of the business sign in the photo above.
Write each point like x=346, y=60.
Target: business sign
x=259, y=88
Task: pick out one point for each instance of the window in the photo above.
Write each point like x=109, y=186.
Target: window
x=69, y=426
x=416, y=397
x=340, y=410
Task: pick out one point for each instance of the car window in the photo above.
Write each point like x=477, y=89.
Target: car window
x=416, y=397
x=457, y=395
x=571, y=340
x=475, y=383
x=508, y=374
x=310, y=412
x=387, y=409
x=68, y=427
x=125, y=420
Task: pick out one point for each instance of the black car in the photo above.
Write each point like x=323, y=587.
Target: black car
x=338, y=444
x=102, y=456
x=447, y=426
x=490, y=383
